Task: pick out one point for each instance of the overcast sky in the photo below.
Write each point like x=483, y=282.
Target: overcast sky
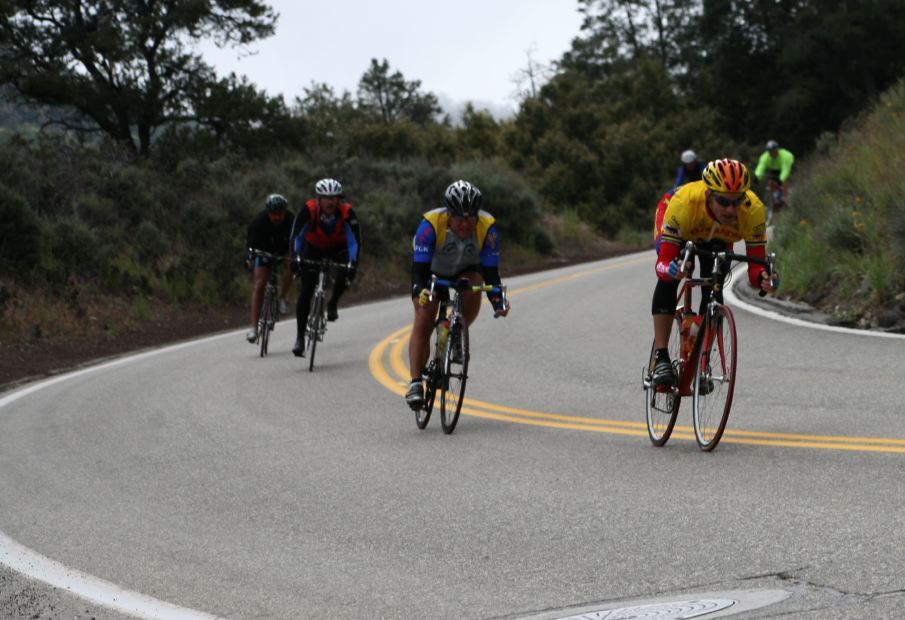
x=467, y=50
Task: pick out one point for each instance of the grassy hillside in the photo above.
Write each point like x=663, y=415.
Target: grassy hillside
x=842, y=241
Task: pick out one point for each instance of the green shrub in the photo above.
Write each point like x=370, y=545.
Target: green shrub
x=507, y=196
x=21, y=234
x=73, y=249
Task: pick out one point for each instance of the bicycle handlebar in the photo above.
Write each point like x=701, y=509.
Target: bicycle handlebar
x=324, y=262
x=464, y=284
x=692, y=249
x=262, y=254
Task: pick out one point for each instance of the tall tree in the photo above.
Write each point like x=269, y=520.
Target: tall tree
x=616, y=32
x=393, y=98
x=126, y=66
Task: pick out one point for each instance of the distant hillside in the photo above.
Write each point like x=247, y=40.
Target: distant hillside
x=842, y=242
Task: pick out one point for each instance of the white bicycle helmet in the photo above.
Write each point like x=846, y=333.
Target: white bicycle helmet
x=328, y=187
x=689, y=156
x=463, y=199
x=276, y=202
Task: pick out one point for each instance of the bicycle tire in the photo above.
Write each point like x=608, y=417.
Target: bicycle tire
x=423, y=415
x=454, y=376
x=314, y=327
x=264, y=323
x=662, y=408
x=714, y=380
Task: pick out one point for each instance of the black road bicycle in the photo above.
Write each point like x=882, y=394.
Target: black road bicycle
x=270, y=309
x=447, y=370
x=317, y=315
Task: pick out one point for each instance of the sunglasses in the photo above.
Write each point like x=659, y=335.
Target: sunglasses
x=728, y=202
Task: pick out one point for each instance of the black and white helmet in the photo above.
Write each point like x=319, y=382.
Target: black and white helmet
x=276, y=202
x=772, y=145
x=328, y=187
x=463, y=199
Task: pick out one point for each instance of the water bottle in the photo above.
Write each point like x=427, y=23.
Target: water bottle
x=442, y=334
x=688, y=331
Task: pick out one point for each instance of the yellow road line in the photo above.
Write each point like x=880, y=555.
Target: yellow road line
x=399, y=340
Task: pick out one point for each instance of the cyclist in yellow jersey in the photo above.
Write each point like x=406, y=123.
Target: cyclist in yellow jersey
x=716, y=211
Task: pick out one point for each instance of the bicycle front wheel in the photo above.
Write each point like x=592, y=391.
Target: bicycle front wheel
x=264, y=323
x=315, y=320
x=714, y=380
x=661, y=402
x=454, y=376
x=431, y=379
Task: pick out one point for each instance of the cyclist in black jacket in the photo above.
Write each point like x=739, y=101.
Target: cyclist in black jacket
x=268, y=231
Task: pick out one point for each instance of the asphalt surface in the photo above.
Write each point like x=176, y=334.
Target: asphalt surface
x=216, y=481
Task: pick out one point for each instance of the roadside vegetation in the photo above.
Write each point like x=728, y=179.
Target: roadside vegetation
x=842, y=241
x=125, y=193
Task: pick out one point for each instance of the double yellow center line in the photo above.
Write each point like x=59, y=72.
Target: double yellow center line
x=388, y=367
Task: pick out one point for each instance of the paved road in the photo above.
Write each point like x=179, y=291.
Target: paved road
x=216, y=481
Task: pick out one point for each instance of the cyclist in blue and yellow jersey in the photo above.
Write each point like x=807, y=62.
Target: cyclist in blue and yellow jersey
x=775, y=165
x=326, y=228
x=459, y=240
x=715, y=212
x=269, y=232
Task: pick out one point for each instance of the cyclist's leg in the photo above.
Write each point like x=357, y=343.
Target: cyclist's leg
x=419, y=344
x=261, y=273
x=419, y=349
x=307, y=283
x=774, y=187
x=285, y=283
x=339, y=282
x=471, y=302
x=663, y=310
x=707, y=269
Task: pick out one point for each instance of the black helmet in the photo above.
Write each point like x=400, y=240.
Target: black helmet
x=463, y=199
x=772, y=145
x=276, y=202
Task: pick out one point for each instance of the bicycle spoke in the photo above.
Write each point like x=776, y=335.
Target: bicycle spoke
x=662, y=402
x=455, y=374
x=714, y=381
x=314, y=327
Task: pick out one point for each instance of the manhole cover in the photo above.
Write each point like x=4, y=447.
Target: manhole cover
x=672, y=610
x=707, y=605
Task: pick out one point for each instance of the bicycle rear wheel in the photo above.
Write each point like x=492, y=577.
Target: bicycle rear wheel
x=661, y=403
x=714, y=380
x=454, y=376
x=264, y=322
x=315, y=326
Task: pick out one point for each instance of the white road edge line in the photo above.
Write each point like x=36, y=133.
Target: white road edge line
x=734, y=300
x=36, y=566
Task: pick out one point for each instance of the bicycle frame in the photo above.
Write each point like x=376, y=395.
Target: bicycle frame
x=447, y=369
x=316, y=327
x=269, y=311
x=711, y=388
x=458, y=287
x=715, y=282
